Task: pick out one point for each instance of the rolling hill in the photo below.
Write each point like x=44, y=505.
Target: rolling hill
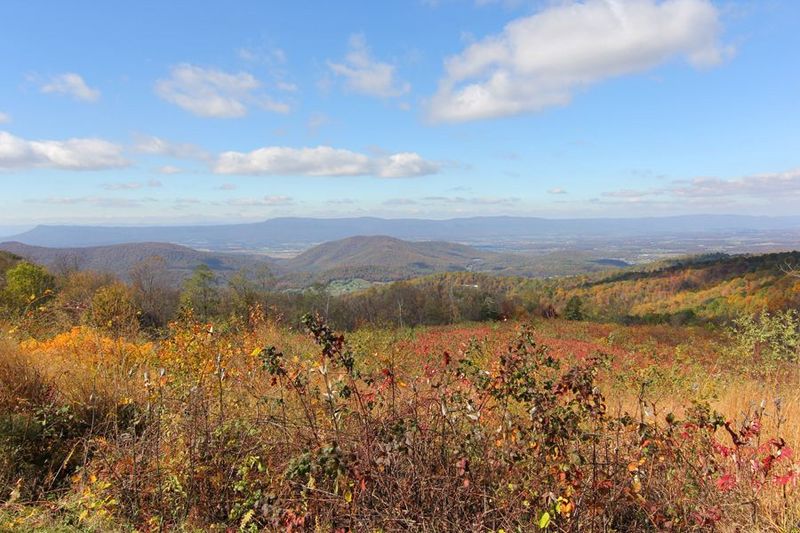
x=382, y=258
x=382, y=251
x=702, y=288
x=370, y=258
x=119, y=259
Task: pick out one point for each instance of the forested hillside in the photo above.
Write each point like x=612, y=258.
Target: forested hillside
x=369, y=258
x=119, y=259
x=707, y=288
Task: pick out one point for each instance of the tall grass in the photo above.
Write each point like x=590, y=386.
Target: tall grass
x=264, y=428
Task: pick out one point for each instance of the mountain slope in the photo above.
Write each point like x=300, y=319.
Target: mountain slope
x=381, y=251
x=371, y=258
x=7, y=260
x=119, y=259
x=714, y=287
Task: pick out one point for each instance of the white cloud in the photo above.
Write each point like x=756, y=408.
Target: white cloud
x=73, y=85
x=403, y=165
x=556, y=190
x=150, y=145
x=95, y=201
x=364, y=74
x=476, y=200
x=775, y=184
x=127, y=186
x=169, y=170
x=263, y=54
x=400, y=201
x=322, y=161
x=131, y=185
x=539, y=61
x=70, y=154
x=266, y=201
x=5, y=118
x=778, y=185
x=286, y=86
x=208, y=92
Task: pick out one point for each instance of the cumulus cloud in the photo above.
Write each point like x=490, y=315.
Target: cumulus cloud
x=72, y=85
x=150, y=145
x=404, y=165
x=556, y=190
x=322, y=161
x=70, y=154
x=208, y=92
x=366, y=75
x=5, y=118
x=539, y=61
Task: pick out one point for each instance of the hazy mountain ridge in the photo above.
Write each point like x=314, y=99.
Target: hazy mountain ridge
x=281, y=231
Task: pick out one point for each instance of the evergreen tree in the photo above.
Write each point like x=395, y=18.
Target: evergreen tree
x=574, y=309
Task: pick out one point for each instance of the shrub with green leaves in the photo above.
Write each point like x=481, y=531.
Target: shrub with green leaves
x=773, y=336
x=27, y=285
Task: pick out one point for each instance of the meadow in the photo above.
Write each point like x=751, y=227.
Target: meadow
x=517, y=425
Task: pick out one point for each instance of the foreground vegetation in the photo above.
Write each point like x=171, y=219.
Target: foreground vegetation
x=253, y=422
x=496, y=427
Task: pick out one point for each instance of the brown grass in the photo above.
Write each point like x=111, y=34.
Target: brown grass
x=411, y=430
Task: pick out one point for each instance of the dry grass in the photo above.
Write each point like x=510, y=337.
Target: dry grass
x=434, y=429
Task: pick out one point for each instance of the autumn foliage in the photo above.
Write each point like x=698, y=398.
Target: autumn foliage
x=491, y=427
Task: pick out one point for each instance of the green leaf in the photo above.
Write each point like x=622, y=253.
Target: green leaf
x=544, y=521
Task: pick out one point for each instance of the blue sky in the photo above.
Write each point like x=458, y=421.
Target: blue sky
x=171, y=112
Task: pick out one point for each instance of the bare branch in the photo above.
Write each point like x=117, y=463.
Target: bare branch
x=790, y=269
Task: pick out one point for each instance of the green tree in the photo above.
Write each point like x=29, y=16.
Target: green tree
x=574, y=309
x=200, y=293
x=27, y=284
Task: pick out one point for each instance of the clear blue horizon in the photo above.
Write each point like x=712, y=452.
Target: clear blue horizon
x=196, y=112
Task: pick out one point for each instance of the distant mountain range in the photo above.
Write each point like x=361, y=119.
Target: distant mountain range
x=372, y=258
x=277, y=232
